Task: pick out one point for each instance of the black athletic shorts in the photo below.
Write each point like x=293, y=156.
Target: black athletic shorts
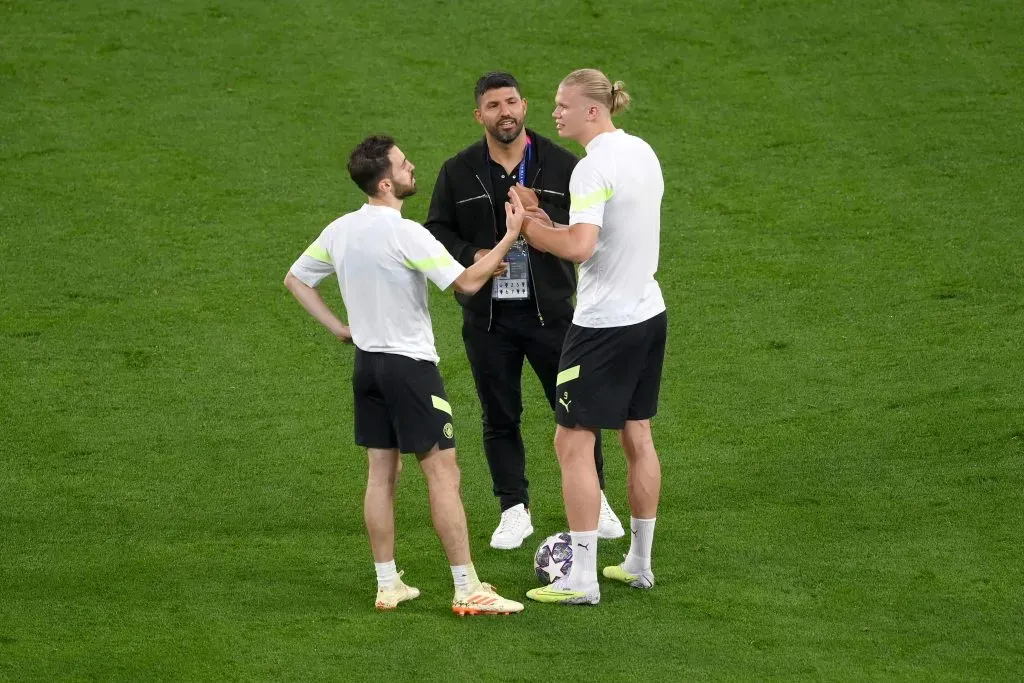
x=400, y=403
x=609, y=375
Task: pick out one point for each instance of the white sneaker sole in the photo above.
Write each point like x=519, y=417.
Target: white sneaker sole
x=608, y=534
x=644, y=582
x=593, y=598
x=498, y=545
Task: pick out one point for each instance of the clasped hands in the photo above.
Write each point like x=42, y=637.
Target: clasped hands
x=534, y=214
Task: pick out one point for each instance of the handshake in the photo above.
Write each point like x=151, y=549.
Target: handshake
x=532, y=211
x=522, y=212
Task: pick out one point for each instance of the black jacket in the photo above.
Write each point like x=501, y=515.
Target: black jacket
x=462, y=218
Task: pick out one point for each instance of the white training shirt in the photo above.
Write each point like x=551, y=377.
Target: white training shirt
x=383, y=262
x=618, y=187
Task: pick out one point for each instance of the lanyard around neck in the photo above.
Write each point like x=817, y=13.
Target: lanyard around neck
x=522, y=164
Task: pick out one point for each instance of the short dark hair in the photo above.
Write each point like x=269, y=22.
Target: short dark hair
x=494, y=80
x=369, y=163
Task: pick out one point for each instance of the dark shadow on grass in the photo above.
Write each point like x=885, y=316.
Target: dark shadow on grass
x=46, y=151
x=137, y=359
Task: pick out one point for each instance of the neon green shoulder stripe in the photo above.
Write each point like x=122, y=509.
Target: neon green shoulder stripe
x=319, y=253
x=582, y=202
x=442, y=261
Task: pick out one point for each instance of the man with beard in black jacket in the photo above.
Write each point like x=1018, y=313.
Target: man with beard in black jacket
x=525, y=311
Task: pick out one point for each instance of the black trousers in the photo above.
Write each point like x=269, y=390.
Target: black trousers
x=496, y=358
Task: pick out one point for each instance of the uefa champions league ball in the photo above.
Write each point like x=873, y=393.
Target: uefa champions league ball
x=553, y=558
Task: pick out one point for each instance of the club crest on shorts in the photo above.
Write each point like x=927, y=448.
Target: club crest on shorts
x=565, y=400
x=448, y=430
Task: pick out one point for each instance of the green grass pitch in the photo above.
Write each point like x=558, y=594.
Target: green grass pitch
x=842, y=422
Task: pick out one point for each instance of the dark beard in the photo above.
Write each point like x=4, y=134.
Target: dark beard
x=506, y=137
x=403, y=191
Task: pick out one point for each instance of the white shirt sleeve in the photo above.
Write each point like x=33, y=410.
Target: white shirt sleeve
x=315, y=263
x=589, y=191
x=419, y=250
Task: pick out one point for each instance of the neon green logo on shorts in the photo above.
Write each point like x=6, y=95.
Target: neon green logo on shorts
x=449, y=432
x=565, y=401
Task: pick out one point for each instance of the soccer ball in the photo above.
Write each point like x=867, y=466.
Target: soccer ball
x=553, y=558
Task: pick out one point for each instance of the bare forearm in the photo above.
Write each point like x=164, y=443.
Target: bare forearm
x=474, y=277
x=559, y=240
x=557, y=214
x=316, y=306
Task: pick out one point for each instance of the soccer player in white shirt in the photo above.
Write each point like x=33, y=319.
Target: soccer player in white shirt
x=610, y=371
x=383, y=262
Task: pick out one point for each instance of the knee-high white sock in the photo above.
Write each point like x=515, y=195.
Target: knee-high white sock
x=639, y=557
x=583, y=576
x=386, y=574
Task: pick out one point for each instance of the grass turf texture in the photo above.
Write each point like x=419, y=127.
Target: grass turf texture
x=841, y=422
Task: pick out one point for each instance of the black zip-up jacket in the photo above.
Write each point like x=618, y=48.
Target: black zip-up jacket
x=461, y=217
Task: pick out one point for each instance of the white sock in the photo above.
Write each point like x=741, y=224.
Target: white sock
x=639, y=557
x=386, y=574
x=465, y=578
x=583, y=576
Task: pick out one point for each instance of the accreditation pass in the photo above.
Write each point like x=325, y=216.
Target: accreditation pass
x=514, y=284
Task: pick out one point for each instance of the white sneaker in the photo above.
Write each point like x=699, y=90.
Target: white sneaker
x=514, y=527
x=608, y=525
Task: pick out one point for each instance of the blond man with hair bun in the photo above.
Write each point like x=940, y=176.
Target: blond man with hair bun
x=610, y=370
